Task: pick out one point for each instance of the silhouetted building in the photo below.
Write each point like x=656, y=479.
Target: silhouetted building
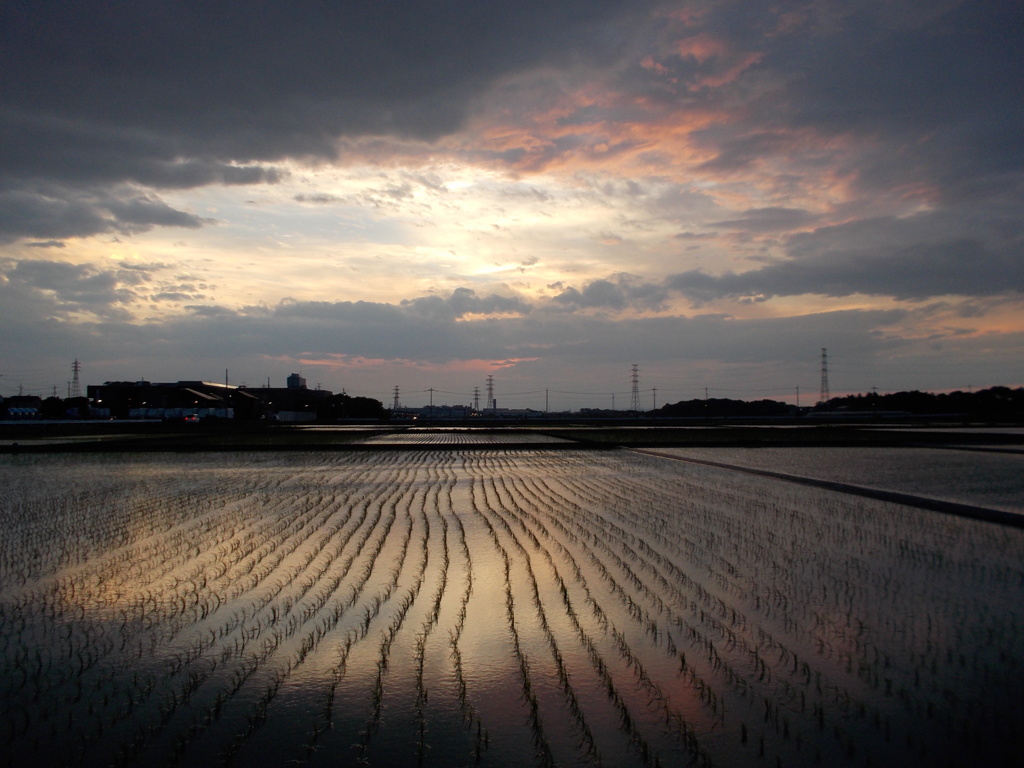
x=21, y=407
x=293, y=403
x=178, y=400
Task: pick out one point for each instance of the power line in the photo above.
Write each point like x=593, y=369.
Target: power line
x=76, y=387
x=824, y=376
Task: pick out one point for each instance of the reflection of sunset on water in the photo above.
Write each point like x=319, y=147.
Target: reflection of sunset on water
x=495, y=605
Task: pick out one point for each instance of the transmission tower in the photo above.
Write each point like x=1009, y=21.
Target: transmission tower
x=824, y=377
x=396, y=406
x=476, y=399
x=634, y=404
x=490, y=392
x=76, y=387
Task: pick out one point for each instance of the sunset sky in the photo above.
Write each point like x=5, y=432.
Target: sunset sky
x=422, y=194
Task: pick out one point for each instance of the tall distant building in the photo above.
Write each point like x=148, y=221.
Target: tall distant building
x=295, y=381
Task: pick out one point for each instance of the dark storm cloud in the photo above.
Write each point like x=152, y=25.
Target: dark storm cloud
x=462, y=302
x=909, y=72
x=426, y=328
x=57, y=288
x=61, y=213
x=905, y=100
x=916, y=272
x=408, y=319
x=143, y=212
x=934, y=88
x=39, y=143
x=619, y=292
x=599, y=293
x=191, y=93
x=956, y=253
x=32, y=214
x=410, y=330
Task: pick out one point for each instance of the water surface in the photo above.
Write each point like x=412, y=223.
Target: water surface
x=981, y=478
x=505, y=607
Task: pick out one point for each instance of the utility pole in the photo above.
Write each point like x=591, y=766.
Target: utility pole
x=654, y=398
x=545, y=401
x=634, y=404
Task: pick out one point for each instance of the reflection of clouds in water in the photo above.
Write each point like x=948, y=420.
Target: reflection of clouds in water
x=506, y=606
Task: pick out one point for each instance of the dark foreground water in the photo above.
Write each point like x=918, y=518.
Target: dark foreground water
x=505, y=607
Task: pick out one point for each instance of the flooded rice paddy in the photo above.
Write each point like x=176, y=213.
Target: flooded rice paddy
x=993, y=479
x=493, y=607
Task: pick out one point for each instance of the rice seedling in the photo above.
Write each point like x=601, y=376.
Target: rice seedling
x=546, y=607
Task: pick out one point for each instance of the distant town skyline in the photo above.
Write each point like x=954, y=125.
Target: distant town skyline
x=422, y=195
x=546, y=399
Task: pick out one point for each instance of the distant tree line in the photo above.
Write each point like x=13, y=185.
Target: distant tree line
x=344, y=407
x=992, y=403
x=995, y=402
x=723, y=407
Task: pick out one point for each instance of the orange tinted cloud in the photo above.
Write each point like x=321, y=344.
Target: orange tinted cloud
x=607, y=131
x=701, y=47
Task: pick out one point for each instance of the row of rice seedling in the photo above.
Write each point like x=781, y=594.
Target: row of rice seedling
x=455, y=437
x=650, y=701
x=341, y=610
x=782, y=565
x=781, y=725
x=401, y=603
x=503, y=606
x=237, y=629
